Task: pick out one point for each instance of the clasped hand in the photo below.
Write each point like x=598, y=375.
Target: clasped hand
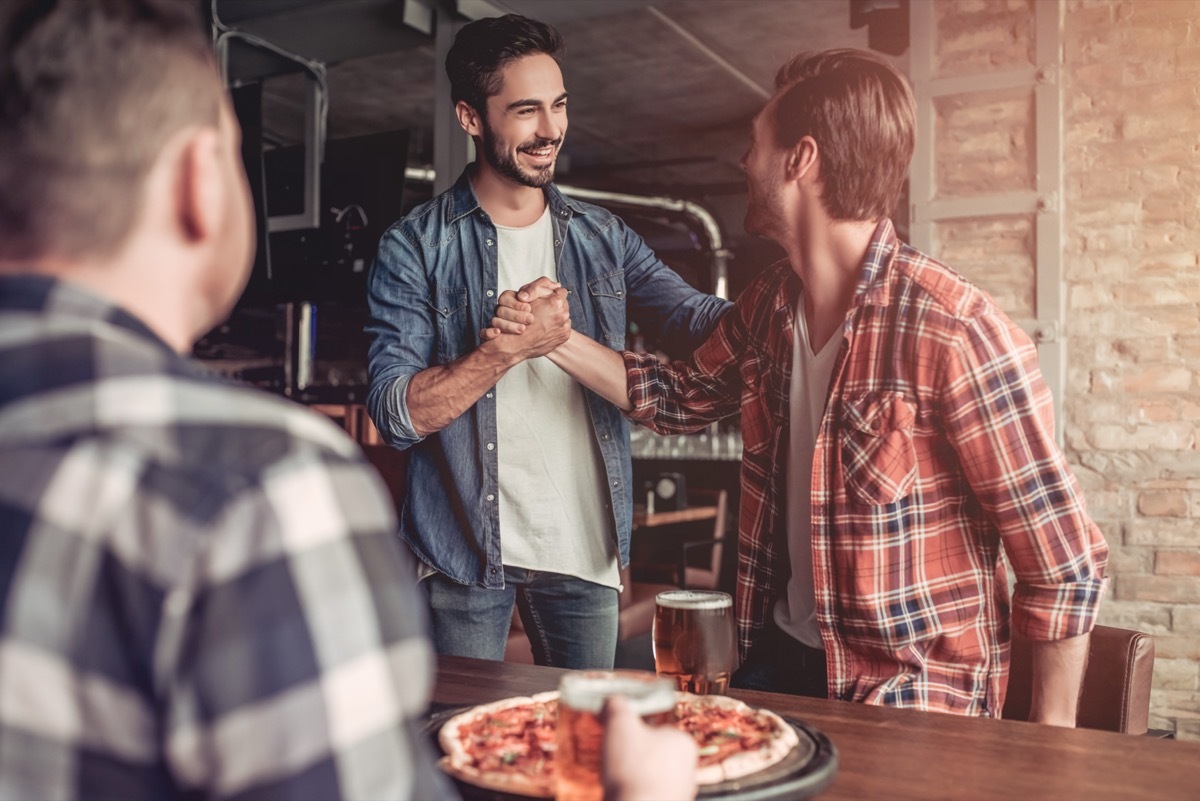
x=537, y=316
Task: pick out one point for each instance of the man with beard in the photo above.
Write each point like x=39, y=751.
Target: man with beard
x=518, y=485
x=898, y=433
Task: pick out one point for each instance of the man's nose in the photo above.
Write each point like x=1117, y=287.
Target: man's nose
x=549, y=127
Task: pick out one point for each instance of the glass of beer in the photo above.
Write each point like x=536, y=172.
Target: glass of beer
x=580, y=732
x=693, y=639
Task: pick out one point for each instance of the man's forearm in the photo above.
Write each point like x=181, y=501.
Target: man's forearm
x=1058, y=667
x=596, y=367
x=437, y=396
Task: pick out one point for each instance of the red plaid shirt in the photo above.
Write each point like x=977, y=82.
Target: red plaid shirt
x=935, y=450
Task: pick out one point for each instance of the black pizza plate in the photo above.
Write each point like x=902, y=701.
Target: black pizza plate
x=805, y=771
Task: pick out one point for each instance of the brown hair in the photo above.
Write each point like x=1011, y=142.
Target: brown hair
x=860, y=111
x=483, y=48
x=90, y=93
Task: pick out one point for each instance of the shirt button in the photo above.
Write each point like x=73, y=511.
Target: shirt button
x=491, y=497
x=489, y=243
x=488, y=395
x=557, y=243
x=605, y=436
x=564, y=213
x=491, y=446
x=620, y=294
x=490, y=293
x=616, y=483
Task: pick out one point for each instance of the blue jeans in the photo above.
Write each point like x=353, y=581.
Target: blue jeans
x=571, y=623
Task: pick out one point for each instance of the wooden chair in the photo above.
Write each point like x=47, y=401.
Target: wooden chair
x=1116, y=682
x=698, y=566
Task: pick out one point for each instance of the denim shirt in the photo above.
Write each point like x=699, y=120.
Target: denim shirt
x=432, y=288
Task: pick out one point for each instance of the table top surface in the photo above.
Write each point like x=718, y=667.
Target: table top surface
x=908, y=754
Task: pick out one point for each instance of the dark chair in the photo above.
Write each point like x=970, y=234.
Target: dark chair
x=392, y=466
x=698, y=566
x=1116, y=683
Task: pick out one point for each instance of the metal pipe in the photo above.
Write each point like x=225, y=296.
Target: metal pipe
x=707, y=222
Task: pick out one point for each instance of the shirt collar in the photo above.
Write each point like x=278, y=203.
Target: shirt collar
x=872, y=289
x=463, y=200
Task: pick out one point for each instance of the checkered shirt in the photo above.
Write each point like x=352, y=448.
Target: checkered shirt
x=936, y=451
x=201, y=593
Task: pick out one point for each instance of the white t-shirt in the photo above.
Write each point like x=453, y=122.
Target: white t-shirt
x=796, y=611
x=553, y=491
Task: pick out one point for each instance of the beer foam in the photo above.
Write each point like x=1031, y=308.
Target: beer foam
x=586, y=691
x=693, y=599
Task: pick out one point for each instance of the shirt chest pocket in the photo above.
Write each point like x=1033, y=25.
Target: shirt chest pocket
x=449, y=306
x=879, y=461
x=607, y=294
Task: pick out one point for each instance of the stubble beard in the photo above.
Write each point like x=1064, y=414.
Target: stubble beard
x=495, y=153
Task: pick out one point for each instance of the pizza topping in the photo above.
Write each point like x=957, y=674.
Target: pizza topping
x=509, y=745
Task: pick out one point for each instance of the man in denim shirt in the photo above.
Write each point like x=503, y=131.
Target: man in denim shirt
x=518, y=479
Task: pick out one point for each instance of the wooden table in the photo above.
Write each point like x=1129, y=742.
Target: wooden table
x=904, y=754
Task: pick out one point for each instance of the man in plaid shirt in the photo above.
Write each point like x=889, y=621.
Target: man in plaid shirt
x=201, y=591
x=897, y=432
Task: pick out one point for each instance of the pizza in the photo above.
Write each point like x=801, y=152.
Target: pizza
x=506, y=745
x=509, y=745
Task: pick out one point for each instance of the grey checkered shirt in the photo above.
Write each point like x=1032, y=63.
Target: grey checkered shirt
x=201, y=594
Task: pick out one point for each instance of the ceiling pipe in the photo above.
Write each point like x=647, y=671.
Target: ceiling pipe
x=711, y=54
x=702, y=216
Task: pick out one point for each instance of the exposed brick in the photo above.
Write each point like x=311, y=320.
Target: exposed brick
x=1169, y=562
x=1180, y=436
x=1187, y=730
x=1164, y=532
x=1176, y=674
x=1169, y=646
x=1123, y=560
x=1165, y=589
x=1152, y=618
x=1186, y=619
x=1163, y=504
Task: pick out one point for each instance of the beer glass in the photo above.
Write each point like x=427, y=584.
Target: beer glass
x=580, y=732
x=693, y=639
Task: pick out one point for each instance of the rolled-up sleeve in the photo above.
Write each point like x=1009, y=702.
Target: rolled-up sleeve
x=402, y=332
x=687, y=395
x=999, y=415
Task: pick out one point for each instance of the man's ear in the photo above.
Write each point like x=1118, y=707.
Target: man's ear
x=469, y=118
x=199, y=196
x=804, y=160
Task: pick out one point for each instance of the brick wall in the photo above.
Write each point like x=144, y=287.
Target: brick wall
x=1131, y=82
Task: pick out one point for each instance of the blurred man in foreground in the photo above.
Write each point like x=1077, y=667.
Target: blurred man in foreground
x=201, y=594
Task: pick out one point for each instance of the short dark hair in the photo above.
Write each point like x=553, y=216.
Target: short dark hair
x=483, y=48
x=90, y=93
x=861, y=112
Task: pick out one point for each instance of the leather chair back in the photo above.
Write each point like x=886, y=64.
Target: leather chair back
x=1116, y=682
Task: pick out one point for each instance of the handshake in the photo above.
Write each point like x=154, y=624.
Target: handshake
x=531, y=321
